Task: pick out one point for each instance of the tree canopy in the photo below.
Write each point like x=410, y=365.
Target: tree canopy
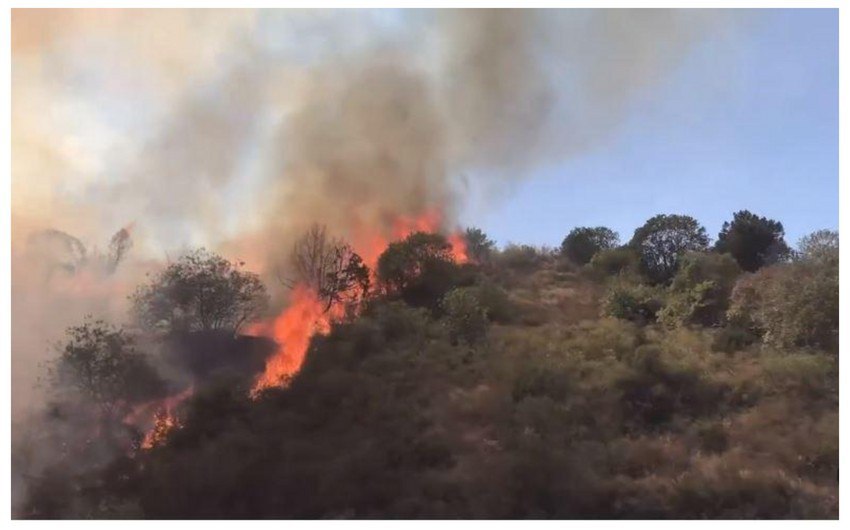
x=100, y=364
x=201, y=291
x=419, y=268
x=663, y=239
x=478, y=245
x=753, y=241
x=329, y=267
x=582, y=243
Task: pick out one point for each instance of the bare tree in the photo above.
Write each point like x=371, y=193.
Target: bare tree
x=119, y=245
x=328, y=266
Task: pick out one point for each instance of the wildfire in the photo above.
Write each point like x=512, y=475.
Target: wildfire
x=158, y=417
x=164, y=422
x=306, y=315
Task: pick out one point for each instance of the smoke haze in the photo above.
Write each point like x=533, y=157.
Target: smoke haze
x=237, y=129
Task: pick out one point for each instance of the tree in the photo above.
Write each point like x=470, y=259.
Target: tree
x=583, y=242
x=753, y=241
x=662, y=240
x=100, y=364
x=119, y=245
x=790, y=304
x=479, y=246
x=200, y=292
x=819, y=246
x=420, y=268
x=329, y=267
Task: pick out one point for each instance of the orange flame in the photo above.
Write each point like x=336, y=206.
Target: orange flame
x=158, y=417
x=306, y=315
x=292, y=330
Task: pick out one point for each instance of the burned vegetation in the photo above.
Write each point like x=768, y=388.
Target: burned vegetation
x=662, y=378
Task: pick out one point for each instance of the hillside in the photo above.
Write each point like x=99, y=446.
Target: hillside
x=520, y=385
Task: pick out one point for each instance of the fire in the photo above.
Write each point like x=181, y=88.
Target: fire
x=293, y=329
x=164, y=422
x=158, y=417
x=306, y=315
x=371, y=245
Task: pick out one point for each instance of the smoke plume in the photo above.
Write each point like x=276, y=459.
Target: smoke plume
x=238, y=129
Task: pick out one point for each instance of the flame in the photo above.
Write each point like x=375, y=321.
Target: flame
x=158, y=417
x=292, y=330
x=306, y=315
x=164, y=422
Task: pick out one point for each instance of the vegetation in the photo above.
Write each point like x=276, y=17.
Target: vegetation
x=655, y=381
x=200, y=292
x=662, y=240
x=753, y=241
x=329, y=267
x=582, y=243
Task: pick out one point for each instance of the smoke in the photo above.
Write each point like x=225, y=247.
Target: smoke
x=238, y=129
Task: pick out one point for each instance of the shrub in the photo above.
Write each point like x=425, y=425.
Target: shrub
x=615, y=261
x=521, y=258
x=810, y=374
x=495, y=301
x=790, y=304
x=630, y=301
x=732, y=338
x=699, y=293
x=464, y=316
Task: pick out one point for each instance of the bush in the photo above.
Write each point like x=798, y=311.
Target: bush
x=699, y=293
x=731, y=339
x=622, y=260
x=495, y=301
x=790, y=304
x=629, y=301
x=464, y=316
x=522, y=258
x=810, y=374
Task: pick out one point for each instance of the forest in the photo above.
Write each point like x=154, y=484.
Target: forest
x=668, y=375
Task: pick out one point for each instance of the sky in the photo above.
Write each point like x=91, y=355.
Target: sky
x=172, y=121
x=747, y=121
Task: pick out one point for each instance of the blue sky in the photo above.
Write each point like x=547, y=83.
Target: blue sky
x=744, y=122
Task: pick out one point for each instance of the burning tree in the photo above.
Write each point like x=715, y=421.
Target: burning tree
x=329, y=267
x=202, y=291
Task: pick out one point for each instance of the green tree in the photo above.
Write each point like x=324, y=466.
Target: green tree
x=753, y=241
x=478, y=245
x=420, y=268
x=582, y=243
x=662, y=240
x=201, y=291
